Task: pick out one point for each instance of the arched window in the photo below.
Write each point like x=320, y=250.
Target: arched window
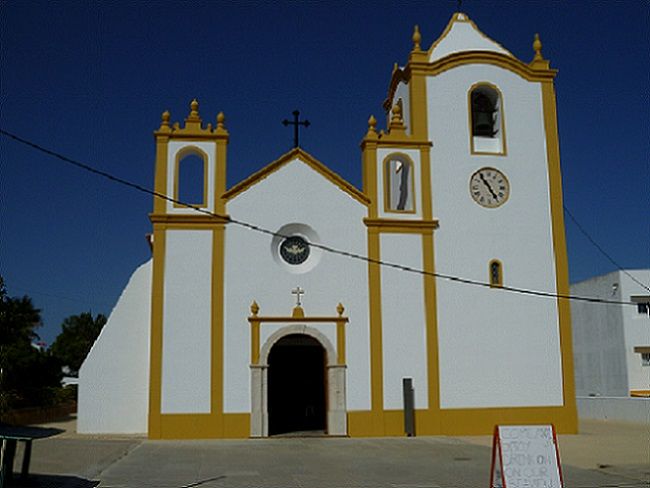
x=191, y=177
x=496, y=273
x=398, y=183
x=486, y=124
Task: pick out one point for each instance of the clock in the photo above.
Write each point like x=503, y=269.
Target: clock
x=294, y=250
x=489, y=187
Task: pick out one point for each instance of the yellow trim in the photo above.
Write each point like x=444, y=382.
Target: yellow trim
x=640, y=393
x=188, y=221
x=255, y=341
x=157, y=300
x=180, y=154
x=306, y=158
x=340, y=341
x=160, y=179
x=502, y=116
x=499, y=282
x=221, y=156
x=418, y=107
x=569, y=415
x=375, y=320
x=398, y=225
x=387, y=176
x=369, y=173
x=425, y=183
x=455, y=60
x=296, y=318
x=205, y=426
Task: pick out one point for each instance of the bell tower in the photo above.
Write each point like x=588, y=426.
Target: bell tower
x=187, y=282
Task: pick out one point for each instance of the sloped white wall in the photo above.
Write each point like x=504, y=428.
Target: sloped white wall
x=114, y=378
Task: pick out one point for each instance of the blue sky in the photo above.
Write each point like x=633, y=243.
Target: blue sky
x=90, y=80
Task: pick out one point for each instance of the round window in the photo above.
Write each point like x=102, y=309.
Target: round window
x=294, y=250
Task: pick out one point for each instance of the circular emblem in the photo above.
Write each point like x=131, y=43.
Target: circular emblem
x=489, y=187
x=294, y=250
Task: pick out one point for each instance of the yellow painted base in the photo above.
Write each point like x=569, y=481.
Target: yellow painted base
x=387, y=423
x=203, y=426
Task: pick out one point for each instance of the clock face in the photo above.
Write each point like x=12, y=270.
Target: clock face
x=294, y=250
x=489, y=187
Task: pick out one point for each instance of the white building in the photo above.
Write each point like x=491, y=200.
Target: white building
x=206, y=340
x=611, y=343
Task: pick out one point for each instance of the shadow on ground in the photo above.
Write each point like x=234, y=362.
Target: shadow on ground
x=52, y=481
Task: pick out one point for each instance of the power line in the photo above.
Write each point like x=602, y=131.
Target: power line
x=597, y=246
x=325, y=248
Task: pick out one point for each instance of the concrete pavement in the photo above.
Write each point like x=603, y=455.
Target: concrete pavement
x=602, y=455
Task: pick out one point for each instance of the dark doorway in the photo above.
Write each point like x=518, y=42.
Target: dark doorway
x=296, y=385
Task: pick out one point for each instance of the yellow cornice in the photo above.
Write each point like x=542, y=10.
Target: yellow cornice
x=306, y=158
x=402, y=224
x=292, y=319
x=193, y=128
x=202, y=219
x=535, y=71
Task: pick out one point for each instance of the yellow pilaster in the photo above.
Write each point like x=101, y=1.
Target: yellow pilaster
x=559, y=246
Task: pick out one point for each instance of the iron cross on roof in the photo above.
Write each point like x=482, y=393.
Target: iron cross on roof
x=295, y=124
x=298, y=291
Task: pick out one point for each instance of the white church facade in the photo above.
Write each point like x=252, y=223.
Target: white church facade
x=208, y=340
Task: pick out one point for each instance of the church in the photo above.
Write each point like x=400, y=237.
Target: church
x=294, y=301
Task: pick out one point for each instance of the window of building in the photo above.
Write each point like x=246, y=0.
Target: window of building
x=486, y=119
x=191, y=178
x=399, y=184
x=496, y=273
x=645, y=359
x=642, y=308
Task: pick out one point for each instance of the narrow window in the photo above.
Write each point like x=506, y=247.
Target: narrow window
x=642, y=308
x=191, y=179
x=496, y=273
x=486, y=119
x=645, y=359
x=399, y=184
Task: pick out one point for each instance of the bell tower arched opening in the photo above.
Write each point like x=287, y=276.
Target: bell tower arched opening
x=297, y=386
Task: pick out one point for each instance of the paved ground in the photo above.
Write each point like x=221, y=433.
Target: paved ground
x=602, y=455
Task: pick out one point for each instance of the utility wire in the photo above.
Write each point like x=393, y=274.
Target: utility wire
x=597, y=246
x=329, y=249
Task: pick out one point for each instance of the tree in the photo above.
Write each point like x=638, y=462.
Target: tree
x=28, y=377
x=77, y=336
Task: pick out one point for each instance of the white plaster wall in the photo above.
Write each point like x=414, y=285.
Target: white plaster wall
x=402, y=91
x=633, y=410
x=114, y=378
x=186, y=328
x=496, y=349
x=464, y=37
x=417, y=183
x=403, y=320
x=207, y=147
x=295, y=194
x=599, y=338
x=636, y=328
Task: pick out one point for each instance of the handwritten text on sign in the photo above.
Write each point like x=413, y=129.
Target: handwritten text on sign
x=529, y=456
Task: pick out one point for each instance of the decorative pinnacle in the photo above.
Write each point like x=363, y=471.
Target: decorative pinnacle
x=537, y=46
x=397, y=115
x=372, y=123
x=416, y=38
x=255, y=308
x=395, y=67
x=221, y=118
x=194, y=109
x=165, y=119
x=340, y=309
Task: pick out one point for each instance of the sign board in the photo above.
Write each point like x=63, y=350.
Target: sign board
x=525, y=456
